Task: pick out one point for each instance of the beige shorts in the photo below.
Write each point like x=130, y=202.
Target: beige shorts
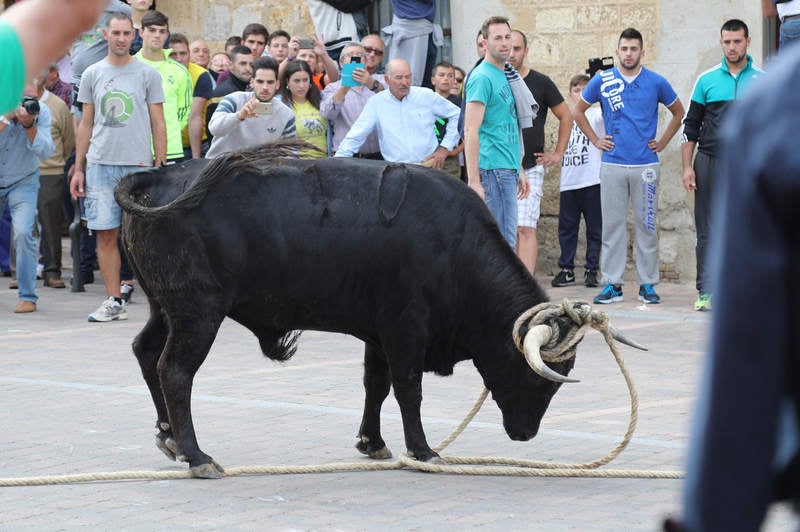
x=528, y=208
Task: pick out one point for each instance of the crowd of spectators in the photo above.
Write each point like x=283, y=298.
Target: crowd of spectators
x=375, y=96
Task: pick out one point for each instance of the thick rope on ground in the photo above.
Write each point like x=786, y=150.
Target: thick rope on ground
x=582, y=316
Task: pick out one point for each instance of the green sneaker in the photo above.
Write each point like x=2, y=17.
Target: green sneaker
x=703, y=302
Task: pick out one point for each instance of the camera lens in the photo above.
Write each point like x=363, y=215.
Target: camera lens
x=31, y=105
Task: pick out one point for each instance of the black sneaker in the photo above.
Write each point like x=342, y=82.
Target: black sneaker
x=590, y=278
x=564, y=278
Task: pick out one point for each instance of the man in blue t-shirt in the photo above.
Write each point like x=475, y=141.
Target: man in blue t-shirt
x=491, y=132
x=629, y=96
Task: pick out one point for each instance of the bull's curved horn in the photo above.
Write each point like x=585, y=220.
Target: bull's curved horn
x=533, y=342
x=621, y=338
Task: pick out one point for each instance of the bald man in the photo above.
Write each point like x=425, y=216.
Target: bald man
x=396, y=112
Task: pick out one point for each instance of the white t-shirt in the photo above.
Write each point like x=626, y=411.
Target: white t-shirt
x=580, y=167
x=121, y=95
x=787, y=9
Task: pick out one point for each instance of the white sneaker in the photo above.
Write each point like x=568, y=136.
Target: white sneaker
x=110, y=310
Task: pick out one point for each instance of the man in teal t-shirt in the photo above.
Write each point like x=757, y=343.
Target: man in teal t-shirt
x=12, y=68
x=491, y=132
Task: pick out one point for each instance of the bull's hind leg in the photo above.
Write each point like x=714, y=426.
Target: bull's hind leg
x=188, y=343
x=376, y=387
x=147, y=346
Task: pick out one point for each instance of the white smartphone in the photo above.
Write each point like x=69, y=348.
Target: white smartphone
x=263, y=108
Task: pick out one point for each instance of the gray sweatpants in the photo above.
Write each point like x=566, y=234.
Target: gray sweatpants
x=640, y=184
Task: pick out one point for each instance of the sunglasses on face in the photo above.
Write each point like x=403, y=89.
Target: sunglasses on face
x=371, y=50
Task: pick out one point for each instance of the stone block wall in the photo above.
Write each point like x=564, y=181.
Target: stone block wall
x=216, y=20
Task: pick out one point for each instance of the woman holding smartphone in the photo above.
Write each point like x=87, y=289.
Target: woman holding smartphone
x=300, y=94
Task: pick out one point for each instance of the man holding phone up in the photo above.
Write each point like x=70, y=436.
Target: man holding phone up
x=343, y=101
x=247, y=119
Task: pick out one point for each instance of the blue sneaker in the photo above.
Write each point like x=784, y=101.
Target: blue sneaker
x=648, y=295
x=612, y=293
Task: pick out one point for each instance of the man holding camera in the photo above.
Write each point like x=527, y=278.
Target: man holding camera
x=24, y=140
x=247, y=119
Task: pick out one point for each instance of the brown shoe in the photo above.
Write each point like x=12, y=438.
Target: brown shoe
x=13, y=285
x=54, y=282
x=24, y=307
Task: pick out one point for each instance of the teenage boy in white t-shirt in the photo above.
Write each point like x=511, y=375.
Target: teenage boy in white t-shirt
x=580, y=195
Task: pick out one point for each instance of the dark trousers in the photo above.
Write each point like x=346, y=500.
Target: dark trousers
x=572, y=204
x=705, y=168
x=88, y=240
x=125, y=270
x=50, y=215
x=5, y=240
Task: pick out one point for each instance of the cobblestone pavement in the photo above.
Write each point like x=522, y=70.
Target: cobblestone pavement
x=74, y=401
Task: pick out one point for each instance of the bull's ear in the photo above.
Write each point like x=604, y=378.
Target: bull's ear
x=392, y=186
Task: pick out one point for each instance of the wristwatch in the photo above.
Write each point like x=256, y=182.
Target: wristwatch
x=376, y=85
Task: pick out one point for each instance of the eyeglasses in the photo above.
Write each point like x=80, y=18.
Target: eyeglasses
x=371, y=50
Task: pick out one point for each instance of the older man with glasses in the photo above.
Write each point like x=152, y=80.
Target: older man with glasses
x=341, y=104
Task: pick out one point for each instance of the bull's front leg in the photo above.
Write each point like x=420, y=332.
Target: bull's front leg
x=188, y=344
x=376, y=388
x=408, y=391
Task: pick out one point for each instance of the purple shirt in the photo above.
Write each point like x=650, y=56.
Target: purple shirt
x=414, y=9
x=63, y=91
x=342, y=115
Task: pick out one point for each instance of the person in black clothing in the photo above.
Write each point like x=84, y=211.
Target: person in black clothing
x=743, y=451
x=535, y=160
x=239, y=80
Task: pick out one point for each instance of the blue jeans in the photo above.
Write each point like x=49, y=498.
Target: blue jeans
x=21, y=198
x=790, y=32
x=500, y=192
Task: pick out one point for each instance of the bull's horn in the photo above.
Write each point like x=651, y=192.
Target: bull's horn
x=621, y=338
x=534, y=340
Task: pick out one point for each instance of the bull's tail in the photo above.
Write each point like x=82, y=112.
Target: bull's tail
x=135, y=193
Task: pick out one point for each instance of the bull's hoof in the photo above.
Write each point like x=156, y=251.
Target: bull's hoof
x=365, y=447
x=212, y=470
x=168, y=447
x=436, y=460
x=429, y=456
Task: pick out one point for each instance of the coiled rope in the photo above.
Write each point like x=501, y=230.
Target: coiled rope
x=580, y=313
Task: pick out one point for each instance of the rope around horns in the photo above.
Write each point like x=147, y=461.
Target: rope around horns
x=580, y=313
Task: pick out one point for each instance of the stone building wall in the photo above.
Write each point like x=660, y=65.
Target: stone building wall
x=217, y=20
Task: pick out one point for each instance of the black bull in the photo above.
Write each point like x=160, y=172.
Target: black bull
x=405, y=258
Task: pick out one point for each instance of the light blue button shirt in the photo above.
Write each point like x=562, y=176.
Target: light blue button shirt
x=405, y=127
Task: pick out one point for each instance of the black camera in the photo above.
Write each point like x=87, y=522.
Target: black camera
x=31, y=105
x=598, y=63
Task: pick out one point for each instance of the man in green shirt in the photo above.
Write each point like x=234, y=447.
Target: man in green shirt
x=175, y=79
